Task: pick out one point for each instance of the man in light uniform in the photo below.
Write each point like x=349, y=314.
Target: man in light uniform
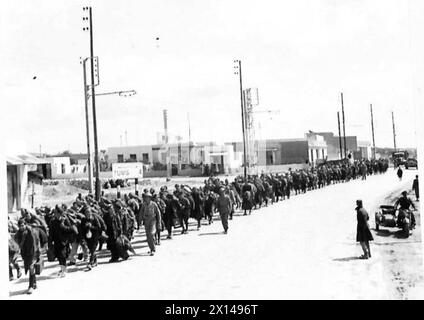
x=151, y=217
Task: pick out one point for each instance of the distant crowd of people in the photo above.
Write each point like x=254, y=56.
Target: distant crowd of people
x=79, y=231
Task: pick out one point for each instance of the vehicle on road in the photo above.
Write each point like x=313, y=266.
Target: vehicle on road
x=411, y=163
x=404, y=221
x=388, y=216
x=385, y=217
x=400, y=157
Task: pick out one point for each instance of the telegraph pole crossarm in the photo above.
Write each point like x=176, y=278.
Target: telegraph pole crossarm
x=121, y=93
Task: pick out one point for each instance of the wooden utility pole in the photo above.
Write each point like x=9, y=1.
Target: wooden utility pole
x=394, y=132
x=189, y=139
x=243, y=120
x=373, y=138
x=168, y=149
x=93, y=97
x=344, y=129
x=87, y=126
x=340, y=136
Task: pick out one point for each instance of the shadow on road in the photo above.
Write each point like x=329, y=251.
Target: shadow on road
x=17, y=293
x=211, y=233
x=39, y=278
x=398, y=234
x=347, y=259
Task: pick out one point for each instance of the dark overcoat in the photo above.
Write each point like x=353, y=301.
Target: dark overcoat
x=29, y=244
x=363, y=232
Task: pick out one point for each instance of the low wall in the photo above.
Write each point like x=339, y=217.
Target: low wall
x=190, y=172
x=103, y=175
x=154, y=174
x=282, y=168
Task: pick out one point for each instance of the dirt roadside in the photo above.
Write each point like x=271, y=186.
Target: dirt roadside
x=402, y=257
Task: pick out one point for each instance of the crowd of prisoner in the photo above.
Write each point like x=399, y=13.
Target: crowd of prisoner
x=79, y=231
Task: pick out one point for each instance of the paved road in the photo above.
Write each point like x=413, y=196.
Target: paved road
x=302, y=248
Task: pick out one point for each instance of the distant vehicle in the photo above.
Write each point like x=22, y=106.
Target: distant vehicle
x=411, y=163
x=400, y=157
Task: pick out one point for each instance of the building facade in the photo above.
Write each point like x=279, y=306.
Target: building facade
x=24, y=181
x=333, y=144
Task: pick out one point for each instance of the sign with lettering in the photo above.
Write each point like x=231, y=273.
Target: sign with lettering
x=129, y=170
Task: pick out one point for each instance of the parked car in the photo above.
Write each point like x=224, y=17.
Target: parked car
x=411, y=163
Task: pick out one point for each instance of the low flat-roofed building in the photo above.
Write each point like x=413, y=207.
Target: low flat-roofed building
x=24, y=181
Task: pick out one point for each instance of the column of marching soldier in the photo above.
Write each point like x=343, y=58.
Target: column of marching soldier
x=78, y=232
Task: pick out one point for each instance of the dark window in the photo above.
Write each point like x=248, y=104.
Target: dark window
x=133, y=157
x=63, y=168
x=145, y=158
x=269, y=157
x=120, y=158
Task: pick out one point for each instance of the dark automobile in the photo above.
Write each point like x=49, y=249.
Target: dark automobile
x=411, y=163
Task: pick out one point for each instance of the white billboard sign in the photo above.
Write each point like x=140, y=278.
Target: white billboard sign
x=129, y=170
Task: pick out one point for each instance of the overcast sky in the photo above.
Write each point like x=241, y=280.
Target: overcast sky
x=299, y=54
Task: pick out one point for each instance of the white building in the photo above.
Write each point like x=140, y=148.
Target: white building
x=317, y=148
x=24, y=181
x=222, y=158
x=365, y=149
x=59, y=165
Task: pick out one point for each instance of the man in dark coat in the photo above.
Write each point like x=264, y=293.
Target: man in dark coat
x=198, y=212
x=60, y=237
x=363, y=233
x=13, y=258
x=171, y=213
x=28, y=240
x=404, y=203
x=135, y=207
x=415, y=187
x=93, y=226
x=160, y=224
x=36, y=221
x=224, y=208
x=209, y=205
x=113, y=229
x=184, y=211
x=400, y=173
